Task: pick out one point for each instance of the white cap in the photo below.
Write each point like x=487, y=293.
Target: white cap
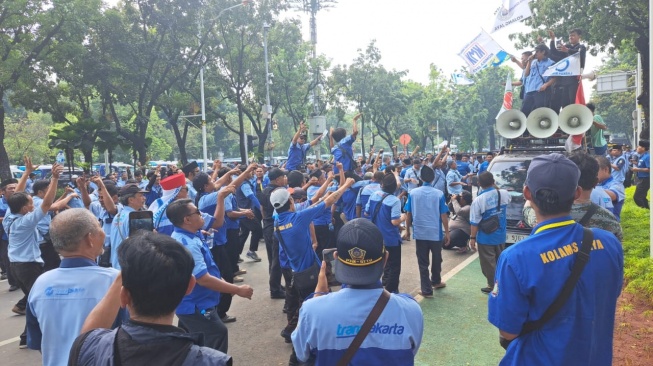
x=279, y=197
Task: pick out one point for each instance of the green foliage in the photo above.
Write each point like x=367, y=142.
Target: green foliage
x=638, y=266
x=28, y=136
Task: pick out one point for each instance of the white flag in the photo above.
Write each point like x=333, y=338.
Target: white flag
x=461, y=79
x=479, y=52
x=511, y=11
x=569, y=66
x=507, y=96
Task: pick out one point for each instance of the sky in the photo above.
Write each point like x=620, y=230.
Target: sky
x=411, y=34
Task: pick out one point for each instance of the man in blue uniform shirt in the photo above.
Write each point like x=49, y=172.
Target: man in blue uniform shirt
x=298, y=149
x=131, y=199
x=643, y=171
x=341, y=145
x=530, y=276
x=329, y=321
x=61, y=299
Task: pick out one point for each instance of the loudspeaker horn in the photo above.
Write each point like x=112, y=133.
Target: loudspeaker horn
x=575, y=119
x=511, y=123
x=542, y=122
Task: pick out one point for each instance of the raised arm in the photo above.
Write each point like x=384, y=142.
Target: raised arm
x=354, y=129
x=29, y=169
x=320, y=192
x=109, y=205
x=301, y=129
x=332, y=198
x=52, y=188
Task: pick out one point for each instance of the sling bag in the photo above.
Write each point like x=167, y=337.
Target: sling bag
x=492, y=224
x=582, y=258
x=378, y=207
x=365, y=329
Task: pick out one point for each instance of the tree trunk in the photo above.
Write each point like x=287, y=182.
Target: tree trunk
x=492, y=137
x=181, y=141
x=241, y=133
x=5, y=170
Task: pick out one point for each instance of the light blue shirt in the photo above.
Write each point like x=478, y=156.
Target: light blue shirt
x=327, y=325
x=599, y=197
x=411, y=174
x=119, y=232
x=365, y=193
x=59, y=303
x=440, y=181
x=43, y=226
x=534, y=81
x=24, y=237
x=426, y=205
x=105, y=219
x=390, y=210
x=485, y=206
x=454, y=176
x=622, y=163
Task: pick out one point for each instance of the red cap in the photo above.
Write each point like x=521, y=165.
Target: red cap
x=173, y=181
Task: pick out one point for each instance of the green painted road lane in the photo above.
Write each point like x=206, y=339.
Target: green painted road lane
x=456, y=330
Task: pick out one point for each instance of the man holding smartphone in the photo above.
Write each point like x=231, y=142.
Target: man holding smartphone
x=132, y=199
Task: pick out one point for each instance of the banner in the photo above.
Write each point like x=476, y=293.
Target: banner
x=507, y=96
x=569, y=66
x=480, y=51
x=511, y=11
x=461, y=79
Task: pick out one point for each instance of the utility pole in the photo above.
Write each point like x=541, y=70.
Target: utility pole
x=268, y=107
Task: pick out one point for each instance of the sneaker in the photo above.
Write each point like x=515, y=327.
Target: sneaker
x=22, y=344
x=3, y=276
x=18, y=310
x=427, y=295
x=228, y=319
x=438, y=286
x=13, y=288
x=253, y=256
x=486, y=290
x=238, y=279
x=240, y=272
x=240, y=260
x=286, y=336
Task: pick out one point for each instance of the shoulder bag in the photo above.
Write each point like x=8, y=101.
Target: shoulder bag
x=492, y=224
x=583, y=257
x=378, y=207
x=365, y=329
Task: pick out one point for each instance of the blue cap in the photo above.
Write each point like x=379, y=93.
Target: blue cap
x=554, y=172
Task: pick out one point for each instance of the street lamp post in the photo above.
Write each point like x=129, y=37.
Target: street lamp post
x=199, y=36
x=268, y=107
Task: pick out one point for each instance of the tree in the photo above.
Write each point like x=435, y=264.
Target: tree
x=607, y=25
x=32, y=32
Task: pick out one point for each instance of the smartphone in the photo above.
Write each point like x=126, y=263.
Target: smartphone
x=140, y=220
x=328, y=257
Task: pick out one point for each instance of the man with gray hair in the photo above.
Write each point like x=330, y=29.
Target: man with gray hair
x=62, y=298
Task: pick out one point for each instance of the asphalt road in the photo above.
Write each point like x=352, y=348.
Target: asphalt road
x=253, y=339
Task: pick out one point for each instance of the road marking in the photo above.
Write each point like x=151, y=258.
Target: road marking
x=9, y=341
x=447, y=275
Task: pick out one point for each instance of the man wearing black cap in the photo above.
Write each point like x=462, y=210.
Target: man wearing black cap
x=277, y=179
x=643, y=171
x=427, y=212
x=329, y=321
x=298, y=148
x=530, y=277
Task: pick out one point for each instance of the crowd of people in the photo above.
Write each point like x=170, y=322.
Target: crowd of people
x=338, y=223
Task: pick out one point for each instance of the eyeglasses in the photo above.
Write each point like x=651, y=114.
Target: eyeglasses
x=198, y=213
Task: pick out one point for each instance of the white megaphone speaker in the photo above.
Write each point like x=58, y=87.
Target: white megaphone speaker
x=575, y=119
x=542, y=122
x=511, y=124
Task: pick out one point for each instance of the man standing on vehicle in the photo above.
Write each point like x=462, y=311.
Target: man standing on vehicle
x=298, y=149
x=490, y=205
x=530, y=277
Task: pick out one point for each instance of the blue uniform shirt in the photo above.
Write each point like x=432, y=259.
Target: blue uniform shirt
x=327, y=325
x=390, y=210
x=485, y=206
x=296, y=155
x=452, y=177
x=207, y=205
x=294, y=227
x=599, y=197
x=325, y=217
x=411, y=174
x=43, y=227
x=529, y=277
x=119, y=232
x=349, y=198
x=59, y=303
x=534, y=81
x=644, y=162
x=201, y=298
x=24, y=237
x=621, y=163
x=365, y=193
x=426, y=204
x=347, y=158
x=105, y=219
x=4, y=211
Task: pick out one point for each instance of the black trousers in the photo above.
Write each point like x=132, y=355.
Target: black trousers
x=640, y=192
x=392, y=269
x=252, y=226
x=233, y=248
x=216, y=335
x=25, y=274
x=4, y=259
x=295, y=298
x=424, y=249
x=274, y=268
x=534, y=100
x=323, y=235
x=221, y=258
x=50, y=256
x=562, y=96
x=457, y=239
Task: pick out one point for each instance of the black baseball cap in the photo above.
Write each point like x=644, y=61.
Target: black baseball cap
x=360, y=253
x=275, y=173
